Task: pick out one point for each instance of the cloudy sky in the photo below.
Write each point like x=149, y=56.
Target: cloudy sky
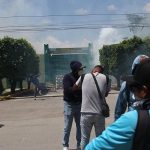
x=70, y=23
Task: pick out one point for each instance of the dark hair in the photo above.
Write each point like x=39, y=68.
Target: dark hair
x=99, y=66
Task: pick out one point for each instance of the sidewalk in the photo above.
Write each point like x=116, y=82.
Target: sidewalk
x=58, y=93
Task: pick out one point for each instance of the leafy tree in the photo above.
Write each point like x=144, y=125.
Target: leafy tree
x=18, y=60
x=1, y=73
x=118, y=58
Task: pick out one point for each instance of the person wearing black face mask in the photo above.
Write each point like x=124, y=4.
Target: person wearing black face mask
x=72, y=103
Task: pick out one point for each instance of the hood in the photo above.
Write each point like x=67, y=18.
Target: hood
x=137, y=61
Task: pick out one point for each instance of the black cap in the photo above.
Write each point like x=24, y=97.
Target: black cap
x=141, y=76
x=76, y=65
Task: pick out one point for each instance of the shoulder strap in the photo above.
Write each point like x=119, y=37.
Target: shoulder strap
x=127, y=91
x=107, y=79
x=142, y=132
x=98, y=89
x=82, y=78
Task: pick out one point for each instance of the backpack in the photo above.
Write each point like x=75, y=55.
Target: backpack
x=141, y=139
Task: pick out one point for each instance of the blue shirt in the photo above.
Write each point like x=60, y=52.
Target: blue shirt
x=118, y=136
x=125, y=99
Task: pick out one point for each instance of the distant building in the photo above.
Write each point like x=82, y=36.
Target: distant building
x=57, y=61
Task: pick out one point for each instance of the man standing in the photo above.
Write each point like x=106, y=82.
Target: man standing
x=72, y=103
x=91, y=106
x=125, y=97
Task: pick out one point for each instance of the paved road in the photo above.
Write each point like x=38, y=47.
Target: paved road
x=37, y=124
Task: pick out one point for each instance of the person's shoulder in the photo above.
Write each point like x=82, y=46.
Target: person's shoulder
x=87, y=74
x=68, y=75
x=123, y=84
x=101, y=75
x=131, y=114
x=130, y=118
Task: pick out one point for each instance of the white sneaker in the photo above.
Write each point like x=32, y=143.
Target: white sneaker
x=65, y=148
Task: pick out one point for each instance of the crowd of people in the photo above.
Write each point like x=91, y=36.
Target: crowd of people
x=83, y=99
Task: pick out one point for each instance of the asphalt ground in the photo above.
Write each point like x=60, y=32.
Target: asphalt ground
x=28, y=124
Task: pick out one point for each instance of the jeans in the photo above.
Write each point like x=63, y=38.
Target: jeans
x=71, y=111
x=87, y=122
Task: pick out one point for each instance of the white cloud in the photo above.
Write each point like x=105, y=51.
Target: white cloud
x=55, y=42
x=37, y=39
x=112, y=7
x=24, y=8
x=147, y=7
x=84, y=42
x=81, y=11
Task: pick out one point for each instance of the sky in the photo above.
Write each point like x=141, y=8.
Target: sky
x=73, y=23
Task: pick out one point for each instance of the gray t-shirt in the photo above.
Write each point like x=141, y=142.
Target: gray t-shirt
x=90, y=96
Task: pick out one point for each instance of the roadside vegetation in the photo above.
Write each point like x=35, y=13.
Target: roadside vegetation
x=18, y=62
x=118, y=58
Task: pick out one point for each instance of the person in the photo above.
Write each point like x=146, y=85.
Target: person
x=120, y=135
x=34, y=79
x=91, y=106
x=72, y=103
x=126, y=98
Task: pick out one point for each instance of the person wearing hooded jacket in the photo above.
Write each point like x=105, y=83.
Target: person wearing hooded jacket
x=72, y=103
x=122, y=134
x=126, y=98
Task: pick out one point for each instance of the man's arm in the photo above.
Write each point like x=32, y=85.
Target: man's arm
x=121, y=103
x=77, y=85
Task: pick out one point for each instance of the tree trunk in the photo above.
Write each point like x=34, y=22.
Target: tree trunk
x=29, y=84
x=20, y=85
x=1, y=87
x=118, y=81
x=13, y=86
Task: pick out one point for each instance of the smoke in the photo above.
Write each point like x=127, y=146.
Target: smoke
x=138, y=25
x=107, y=36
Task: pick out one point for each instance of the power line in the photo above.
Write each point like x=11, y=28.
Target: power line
x=73, y=28
x=60, y=25
x=72, y=15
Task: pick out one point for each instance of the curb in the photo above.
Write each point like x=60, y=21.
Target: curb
x=58, y=95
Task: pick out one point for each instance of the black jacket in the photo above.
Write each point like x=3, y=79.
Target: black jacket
x=74, y=97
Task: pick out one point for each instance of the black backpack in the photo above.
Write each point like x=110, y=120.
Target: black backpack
x=142, y=133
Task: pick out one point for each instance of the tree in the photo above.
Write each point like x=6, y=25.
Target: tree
x=18, y=59
x=118, y=58
x=1, y=72
x=30, y=60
